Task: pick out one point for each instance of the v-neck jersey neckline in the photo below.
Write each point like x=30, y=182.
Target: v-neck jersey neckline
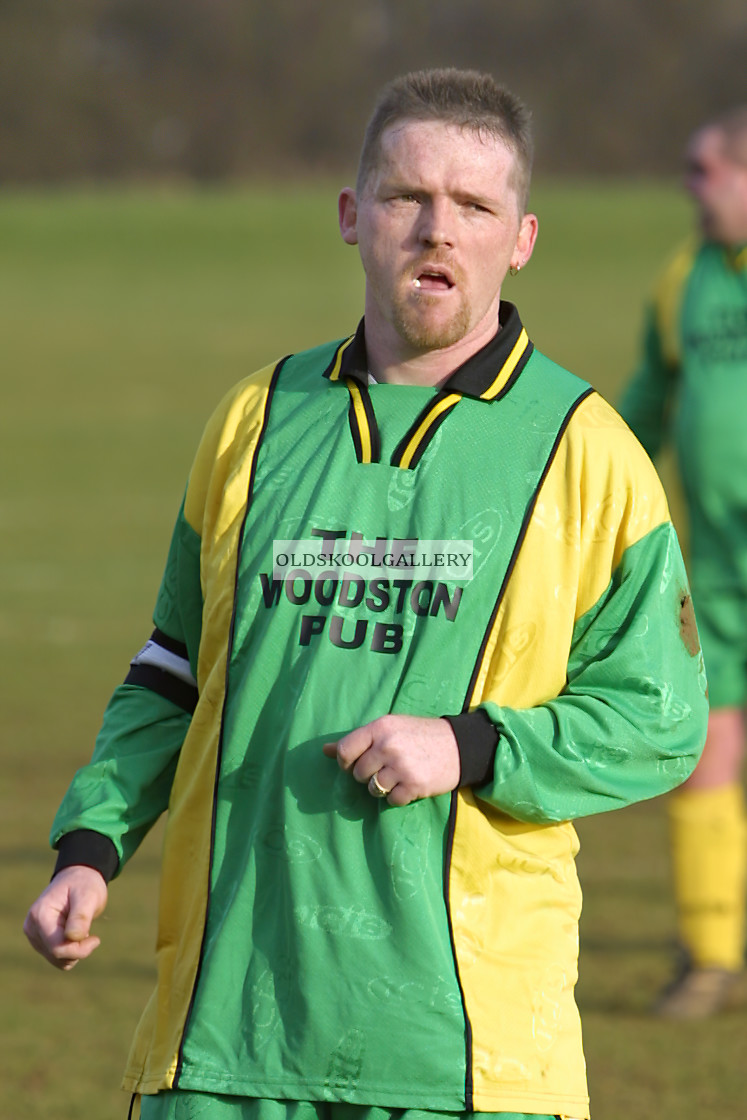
x=486, y=376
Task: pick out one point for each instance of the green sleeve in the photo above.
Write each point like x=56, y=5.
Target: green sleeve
x=126, y=786
x=646, y=404
x=631, y=722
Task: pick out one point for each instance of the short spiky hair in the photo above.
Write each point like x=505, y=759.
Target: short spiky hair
x=464, y=98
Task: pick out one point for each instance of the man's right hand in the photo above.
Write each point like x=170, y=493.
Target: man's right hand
x=58, y=925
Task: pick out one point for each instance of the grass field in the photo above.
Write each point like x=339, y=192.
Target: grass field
x=123, y=319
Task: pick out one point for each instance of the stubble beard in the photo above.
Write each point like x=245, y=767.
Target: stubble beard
x=413, y=326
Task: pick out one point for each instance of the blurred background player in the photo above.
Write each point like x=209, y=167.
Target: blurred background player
x=692, y=384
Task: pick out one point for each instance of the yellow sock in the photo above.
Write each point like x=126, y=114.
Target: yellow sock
x=709, y=858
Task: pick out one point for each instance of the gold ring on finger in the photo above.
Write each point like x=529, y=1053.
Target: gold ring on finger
x=375, y=788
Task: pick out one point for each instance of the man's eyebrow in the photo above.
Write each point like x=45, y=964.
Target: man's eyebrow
x=478, y=197
x=396, y=182
x=400, y=185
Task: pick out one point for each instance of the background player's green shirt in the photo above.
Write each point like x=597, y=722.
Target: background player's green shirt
x=691, y=386
x=316, y=943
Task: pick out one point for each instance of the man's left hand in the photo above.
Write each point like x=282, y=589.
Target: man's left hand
x=402, y=758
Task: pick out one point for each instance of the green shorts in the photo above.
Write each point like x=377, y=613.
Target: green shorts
x=179, y=1104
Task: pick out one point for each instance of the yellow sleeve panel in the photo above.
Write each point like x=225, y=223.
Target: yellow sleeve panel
x=667, y=301
x=214, y=506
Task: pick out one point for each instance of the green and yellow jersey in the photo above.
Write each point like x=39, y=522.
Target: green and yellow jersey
x=315, y=943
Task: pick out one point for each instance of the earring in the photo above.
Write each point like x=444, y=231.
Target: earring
x=514, y=270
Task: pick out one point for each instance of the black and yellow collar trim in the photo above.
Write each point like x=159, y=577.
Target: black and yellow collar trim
x=363, y=426
x=334, y=370
x=486, y=376
x=409, y=450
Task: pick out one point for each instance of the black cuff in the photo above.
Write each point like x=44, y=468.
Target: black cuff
x=477, y=740
x=91, y=849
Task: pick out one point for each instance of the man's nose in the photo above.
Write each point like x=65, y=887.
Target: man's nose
x=436, y=223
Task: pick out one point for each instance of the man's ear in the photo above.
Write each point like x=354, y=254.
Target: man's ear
x=526, y=240
x=347, y=213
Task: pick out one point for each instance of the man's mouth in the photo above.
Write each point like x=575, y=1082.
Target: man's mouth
x=434, y=280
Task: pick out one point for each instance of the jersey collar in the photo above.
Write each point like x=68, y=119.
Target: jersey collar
x=487, y=375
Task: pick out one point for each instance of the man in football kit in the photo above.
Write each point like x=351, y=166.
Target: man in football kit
x=691, y=378
x=369, y=899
